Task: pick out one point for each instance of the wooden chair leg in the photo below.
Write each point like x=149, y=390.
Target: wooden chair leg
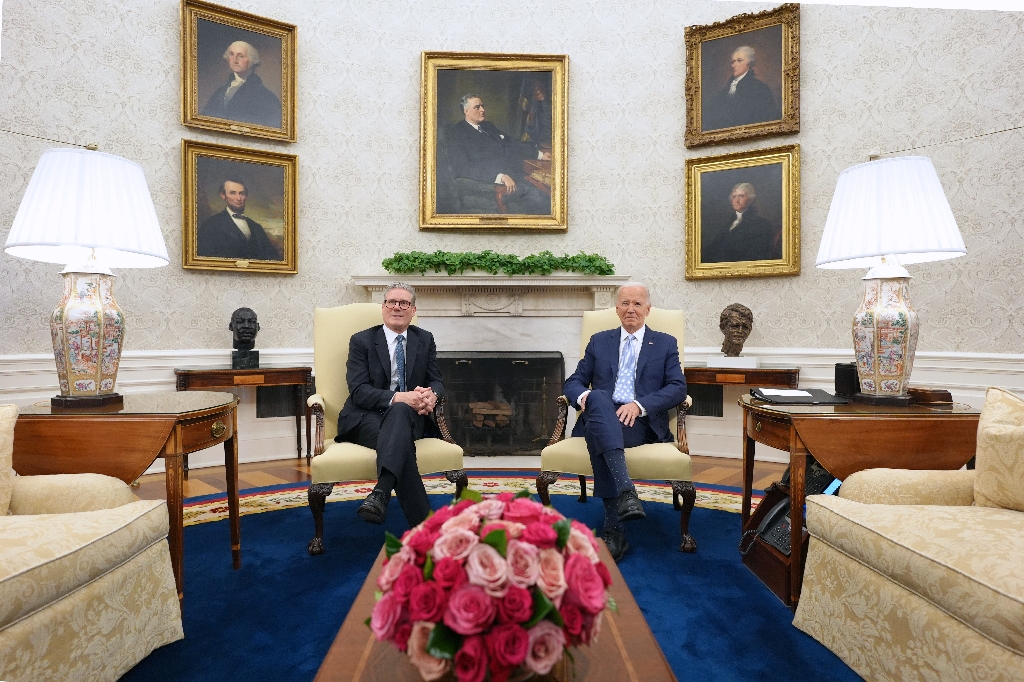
x=317, y=496
x=688, y=493
x=544, y=479
x=583, y=489
x=459, y=478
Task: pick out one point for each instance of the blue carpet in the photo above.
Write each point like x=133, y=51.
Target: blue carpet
x=276, y=617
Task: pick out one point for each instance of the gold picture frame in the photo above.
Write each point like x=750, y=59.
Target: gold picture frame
x=743, y=214
x=743, y=77
x=227, y=191
x=470, y=173
x=237, y=72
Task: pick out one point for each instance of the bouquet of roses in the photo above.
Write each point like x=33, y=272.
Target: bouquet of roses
x=490, y=585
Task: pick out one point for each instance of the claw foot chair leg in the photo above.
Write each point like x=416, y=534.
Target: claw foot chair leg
x=544, y=479
x=459, y=478
x=688, y=493
x=317, y=495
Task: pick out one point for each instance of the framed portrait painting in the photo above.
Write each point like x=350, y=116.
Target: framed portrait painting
x=493, y=141
x=238, y=209
x=743, y=77
x=743, y=214
x=237, y=72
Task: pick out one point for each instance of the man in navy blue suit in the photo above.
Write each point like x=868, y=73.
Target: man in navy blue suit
x=628, y=380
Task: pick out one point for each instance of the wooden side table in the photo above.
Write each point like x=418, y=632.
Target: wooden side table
x=786, y=377
x=202, y=378
x=123, y=441
x=844, y=439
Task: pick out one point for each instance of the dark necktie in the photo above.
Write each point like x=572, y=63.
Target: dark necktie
x=400, y=362
x=240, y=216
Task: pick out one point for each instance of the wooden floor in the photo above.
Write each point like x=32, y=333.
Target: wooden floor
x=210, y=480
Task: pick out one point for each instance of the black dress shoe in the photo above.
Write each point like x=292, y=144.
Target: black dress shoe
x=616, y=541
x=374, y=508
x=630, y=508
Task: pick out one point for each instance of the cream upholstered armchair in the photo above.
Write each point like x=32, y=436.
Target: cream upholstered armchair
x=86, y=586
x=337, y=462
x=916, y=575
x=654, y=461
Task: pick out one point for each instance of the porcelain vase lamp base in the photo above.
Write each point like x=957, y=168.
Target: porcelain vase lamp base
x=884, y=339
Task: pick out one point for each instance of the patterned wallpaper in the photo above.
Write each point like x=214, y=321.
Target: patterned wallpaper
x=873, y=80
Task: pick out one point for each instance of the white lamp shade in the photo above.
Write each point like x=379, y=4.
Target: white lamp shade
x=80, y=200
x=889, y=207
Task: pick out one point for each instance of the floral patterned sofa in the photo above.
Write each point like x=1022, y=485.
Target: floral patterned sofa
x=86, y=588
x=917, y=575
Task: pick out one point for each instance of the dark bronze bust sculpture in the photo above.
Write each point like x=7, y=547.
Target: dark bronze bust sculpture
x=244, y=327
x=735, y=322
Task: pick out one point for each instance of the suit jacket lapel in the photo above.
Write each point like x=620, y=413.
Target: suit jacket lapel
x=410, y=357
x=381, y=343
x=644, y=353
x=612, y=349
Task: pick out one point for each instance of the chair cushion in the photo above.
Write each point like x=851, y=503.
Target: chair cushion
x=999, y=477
x=45, y=557
x=351, y=462
x=964, y=560
x=653, y=462
x=68, y=493
x=8, y=416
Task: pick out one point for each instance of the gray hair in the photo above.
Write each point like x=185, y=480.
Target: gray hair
x=749, y=52
x=254, y=55
x=465, y=100
x=401, y=285
x=746, y=187
x=647, y=292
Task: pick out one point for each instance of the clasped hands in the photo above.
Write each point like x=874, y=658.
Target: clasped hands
x=627, y=413
x=420, y=399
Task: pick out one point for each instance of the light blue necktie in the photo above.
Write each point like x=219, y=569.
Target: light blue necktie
x=625, y=382
x=400, y=362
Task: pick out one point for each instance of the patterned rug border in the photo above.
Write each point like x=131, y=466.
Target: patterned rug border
x=209, y=508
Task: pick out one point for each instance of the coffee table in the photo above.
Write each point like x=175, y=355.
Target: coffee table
x=626, y=650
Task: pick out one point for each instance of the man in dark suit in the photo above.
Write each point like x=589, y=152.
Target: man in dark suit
x=244, y=98
x=394, y=383
x=479, y=151
x=743, y=100
x=230, y=234
x=628, y=380
x=746, y=237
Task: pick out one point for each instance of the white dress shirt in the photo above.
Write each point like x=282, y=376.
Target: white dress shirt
x=241, y=223
x=392, y=338
x=639, y=336
x=732, y=86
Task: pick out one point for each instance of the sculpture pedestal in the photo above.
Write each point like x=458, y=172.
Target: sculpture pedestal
x=245, y=359
x=741, y=362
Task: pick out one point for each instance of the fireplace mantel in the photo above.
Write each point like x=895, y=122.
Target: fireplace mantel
x=468, y=295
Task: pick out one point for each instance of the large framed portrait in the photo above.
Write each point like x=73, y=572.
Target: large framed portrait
x=238, y=209
x=493, y=141
x=237, y=72
x=743, y=77
x=743, y=214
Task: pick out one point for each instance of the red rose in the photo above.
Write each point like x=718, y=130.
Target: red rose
x=606, y=576
x=591, y=627
x=540, y=535
x=421, y=542
x=402, y=633
x=573, y=618
x=585, y=586
x=507, y=646
x=461, y=507
x=516, y=607
x=427, y=601
x=505, y=497
x=471, y=660
x=410, y=577
x=433, y=523
x=448, y=573
x=523, y=510
x=470, y=610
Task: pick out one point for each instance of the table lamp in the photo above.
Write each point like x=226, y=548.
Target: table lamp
x=91, y=212
x=886, y=214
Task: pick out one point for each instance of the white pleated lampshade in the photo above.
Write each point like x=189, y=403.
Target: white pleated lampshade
x=889, y=207
x=80, y=200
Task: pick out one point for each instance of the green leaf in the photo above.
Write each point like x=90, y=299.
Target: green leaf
x=443, y=642
x=468, y=494
x=428, y=568
x=455, y=263
x=377, y=595
x=391, y=544
x=498, y=539
x=525, y=492
x=613, y=605
x=562, y=528
x=555, y=617
x=541, y=607
x=367, y=621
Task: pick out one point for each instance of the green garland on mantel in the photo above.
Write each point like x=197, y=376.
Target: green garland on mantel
x=543, y=263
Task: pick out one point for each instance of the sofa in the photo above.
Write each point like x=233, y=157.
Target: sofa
x=86, y=587
x=919, y=575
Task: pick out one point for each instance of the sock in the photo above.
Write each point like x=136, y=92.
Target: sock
x=386, y=482
x=611, y=514
x=616, y=461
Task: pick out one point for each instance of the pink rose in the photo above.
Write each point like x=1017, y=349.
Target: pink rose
x=550, y=516
x=516, y=607
x=540, y=534
x=462, y=506
x=506, y=645
x=573, y=619
x=433, y=523
x=513, y=530
x=591, y=627
x=387, y=614
x=486, y=567
x=579, y=543
x=420, y=542
x=455, y=544
x=409, y=578
x=471, y=660
x=551, y=576
x=470, y=610
x=468, y=519
x=606, y=576
x=448, y=573
x=546, y=643
x=523, y=510
x=505, y=497
x=585, y=530
x=392, y=569
x=585, y=586
x=430, y=668
x=427, y=602
x=523, y=563
x=490, y=509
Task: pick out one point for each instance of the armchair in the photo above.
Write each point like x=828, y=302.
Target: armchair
x=336, y=462
x=654, y=461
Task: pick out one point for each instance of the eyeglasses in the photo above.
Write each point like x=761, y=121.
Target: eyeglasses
x=394, y=303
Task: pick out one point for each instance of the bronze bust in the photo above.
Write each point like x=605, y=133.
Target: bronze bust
x=244, y=328
x=735, y=322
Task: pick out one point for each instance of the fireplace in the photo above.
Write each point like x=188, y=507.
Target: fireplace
x=501, y=403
